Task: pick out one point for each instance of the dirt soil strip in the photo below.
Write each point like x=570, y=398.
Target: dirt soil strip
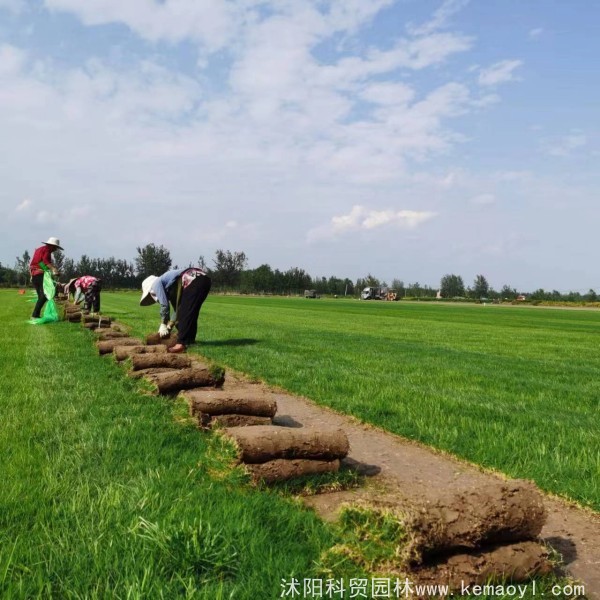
x=423, y=474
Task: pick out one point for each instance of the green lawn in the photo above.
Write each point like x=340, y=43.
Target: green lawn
x=514, y=389
x=109, y=493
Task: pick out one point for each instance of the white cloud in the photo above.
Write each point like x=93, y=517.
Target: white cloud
x=361, y=218
x=24, y=205
x=535, y=33
x=213, y=23
x=440, y=17
x=499, y=72
x=483, y=199
x=11, y=60
x=565, y=145
x=291, y=136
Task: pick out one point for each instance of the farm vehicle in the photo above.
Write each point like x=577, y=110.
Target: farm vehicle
x=378, y=293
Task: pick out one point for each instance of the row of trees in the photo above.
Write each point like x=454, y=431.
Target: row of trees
x=229, y=272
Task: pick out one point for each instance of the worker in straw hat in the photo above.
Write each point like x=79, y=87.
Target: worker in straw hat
x=183, y=289
x=42, y=261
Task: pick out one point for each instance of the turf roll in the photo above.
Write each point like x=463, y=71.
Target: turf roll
x=107, y=346
x=222, y=402
x=148, y=361
x=185, y=379
x=262, y=444
x=281, y=469
x=124, y=352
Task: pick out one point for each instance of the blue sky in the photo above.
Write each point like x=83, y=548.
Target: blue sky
x=408, y=139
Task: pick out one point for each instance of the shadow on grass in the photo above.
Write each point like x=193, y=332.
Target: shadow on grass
x=231, y=342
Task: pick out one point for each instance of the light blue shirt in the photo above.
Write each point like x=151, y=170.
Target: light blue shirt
x=160, y=289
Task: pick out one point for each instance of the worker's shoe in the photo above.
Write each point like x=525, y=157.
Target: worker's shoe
x=177, y=349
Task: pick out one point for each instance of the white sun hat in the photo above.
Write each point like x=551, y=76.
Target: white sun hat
x=52, y=241
x=147, y=299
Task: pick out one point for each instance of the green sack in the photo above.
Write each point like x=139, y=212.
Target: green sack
x=50, y=313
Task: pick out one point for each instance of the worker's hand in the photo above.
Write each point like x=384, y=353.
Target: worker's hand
x=170, y=325
x=163, y=331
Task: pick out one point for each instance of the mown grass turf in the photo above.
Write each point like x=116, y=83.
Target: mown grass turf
x=109, y=493
x=514, y=389
x=106, y=492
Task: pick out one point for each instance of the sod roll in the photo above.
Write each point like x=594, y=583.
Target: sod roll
x=109, y=334
x=124, y=352
x=149, y=373
x=262, y=444
x=107, y=346
x=205, y=420
x=281, y=469
x=149, y=361
x=222, y=402
x=517, y=562
x=185, y=379
x=100, y=320
x=95, y=325
x=510, y=511
x=152, y=339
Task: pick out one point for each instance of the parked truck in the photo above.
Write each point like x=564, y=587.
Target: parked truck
x=378, y=293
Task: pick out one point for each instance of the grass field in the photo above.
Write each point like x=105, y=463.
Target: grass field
x=107, y=492
x=513, y=389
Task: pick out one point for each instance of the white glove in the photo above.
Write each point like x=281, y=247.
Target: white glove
x=163, y=331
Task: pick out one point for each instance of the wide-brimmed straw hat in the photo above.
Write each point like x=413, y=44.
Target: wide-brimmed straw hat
x=52, y=241
x=147, y=299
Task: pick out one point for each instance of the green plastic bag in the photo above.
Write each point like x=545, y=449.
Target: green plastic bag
x=50, y=313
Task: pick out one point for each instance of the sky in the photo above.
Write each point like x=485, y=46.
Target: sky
x=407, y=139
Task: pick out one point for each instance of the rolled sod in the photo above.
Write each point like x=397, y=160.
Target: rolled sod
x=185, y=379
x=150, y=372
x=511, y=511
x=222, y=402
x=262, y=444
x=73, y=317
x=281, y=469
x=110, y=334
x=152, y=339
x=206, y=421
x=517, y=562
x=149, y=361
x=124, y=352
x=107, y=346
x=104, y=320
x=96, y=325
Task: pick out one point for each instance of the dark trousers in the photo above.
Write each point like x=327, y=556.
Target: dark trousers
x=192, y=298
x=38, y=284
x=92, y=298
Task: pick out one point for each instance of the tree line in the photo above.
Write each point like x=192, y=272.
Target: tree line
x=229, y=273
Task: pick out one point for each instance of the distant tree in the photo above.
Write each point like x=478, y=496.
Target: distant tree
x=152, y=260
x=85, y=266
x=22, y=268
x=540, y=294
x=348, y=287
x=202, y=263
x=591, y=296
x=228, y=267
x=481, y=287
x=8, y=276
x=451, y=286
x=414, y=289
x=398, y=285
x=58, y=260
x=508, y=292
